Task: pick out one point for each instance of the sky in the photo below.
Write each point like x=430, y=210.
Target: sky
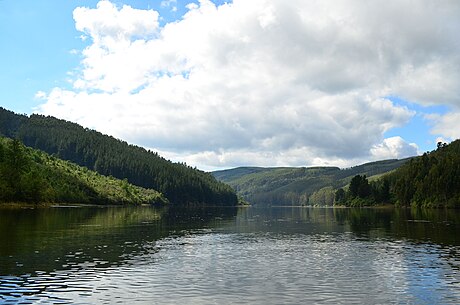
x=221, y=84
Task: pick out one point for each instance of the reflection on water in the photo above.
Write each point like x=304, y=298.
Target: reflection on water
x=295, y=255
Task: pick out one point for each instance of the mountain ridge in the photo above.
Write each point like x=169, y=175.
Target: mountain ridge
x=179, y=183
x=297, y=185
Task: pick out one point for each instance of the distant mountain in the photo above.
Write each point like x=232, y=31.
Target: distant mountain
x=179, y=183
x=297, y=186
x=29, y=175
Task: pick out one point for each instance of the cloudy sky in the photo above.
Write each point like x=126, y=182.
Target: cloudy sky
x=246, y=82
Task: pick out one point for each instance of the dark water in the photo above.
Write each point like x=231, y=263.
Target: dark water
x=226, y=256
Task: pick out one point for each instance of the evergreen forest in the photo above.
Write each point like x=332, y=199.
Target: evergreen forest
x=431, y=180
x=32, y=176
x=298, y=186
x=179, y=183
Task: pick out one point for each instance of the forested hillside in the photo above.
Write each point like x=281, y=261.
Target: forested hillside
x=29, y=175
x=297, y=186
x=431, y=180
x=108, y=156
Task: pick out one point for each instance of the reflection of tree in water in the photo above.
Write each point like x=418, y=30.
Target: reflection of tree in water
x=434, y=225
x=439, y=226
x=288, y=220
x=62, y=238
x=365, y=221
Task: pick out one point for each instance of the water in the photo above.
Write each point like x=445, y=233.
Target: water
x=289, y=255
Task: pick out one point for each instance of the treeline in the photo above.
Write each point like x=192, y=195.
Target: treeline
x=32, y=176
x=108, y=156
x=361, y=192
x=431, y=180
x=19, y=180
x=298, y=186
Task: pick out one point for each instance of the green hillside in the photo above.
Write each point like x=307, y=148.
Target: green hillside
x=431, y=180
x=29, y=175
x=297, y=186
x=108, y=156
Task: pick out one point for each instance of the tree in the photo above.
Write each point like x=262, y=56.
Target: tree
x=364, y=188
x=16, y=163
x=339, y=196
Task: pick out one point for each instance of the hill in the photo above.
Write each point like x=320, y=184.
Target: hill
x=29, y=175
x=297, y=186
x=431, y=180
x=179, y=183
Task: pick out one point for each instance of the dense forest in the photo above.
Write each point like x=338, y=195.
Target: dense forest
x=29, y=175
x=431, y=180
x=108, y=156
x=362, y=192
x=298, y=186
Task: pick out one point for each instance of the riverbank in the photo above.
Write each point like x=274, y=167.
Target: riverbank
x=25, y=205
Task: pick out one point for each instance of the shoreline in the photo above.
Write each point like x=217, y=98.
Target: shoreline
x=44, y=205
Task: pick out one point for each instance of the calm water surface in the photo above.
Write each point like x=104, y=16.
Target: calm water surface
x=289, y=255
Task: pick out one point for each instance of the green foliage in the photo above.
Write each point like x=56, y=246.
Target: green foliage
x=381, y=190
x=359, y=187
x=28, y=175
x=360, y=193
x=432, y=180
x=323, y=197
x=242, y=202
x=339, y=196
x=108, y=156
x=18, y=179
x=297, y=186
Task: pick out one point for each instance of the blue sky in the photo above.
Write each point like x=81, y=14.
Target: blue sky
x=37, y=39
x=262, y=82
x=417, y=130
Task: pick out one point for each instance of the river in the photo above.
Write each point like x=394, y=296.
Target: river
x=286, y=255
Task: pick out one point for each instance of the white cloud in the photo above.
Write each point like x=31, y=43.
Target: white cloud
x=40, y=95
x=433, y=83
x=109, y=26
x=113, y=61
x=447, y=125
x=394, y=148
x=170, y=3
x=264, y=82
x=442, y=140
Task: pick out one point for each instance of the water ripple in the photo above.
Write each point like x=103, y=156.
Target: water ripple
x=234, y=265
